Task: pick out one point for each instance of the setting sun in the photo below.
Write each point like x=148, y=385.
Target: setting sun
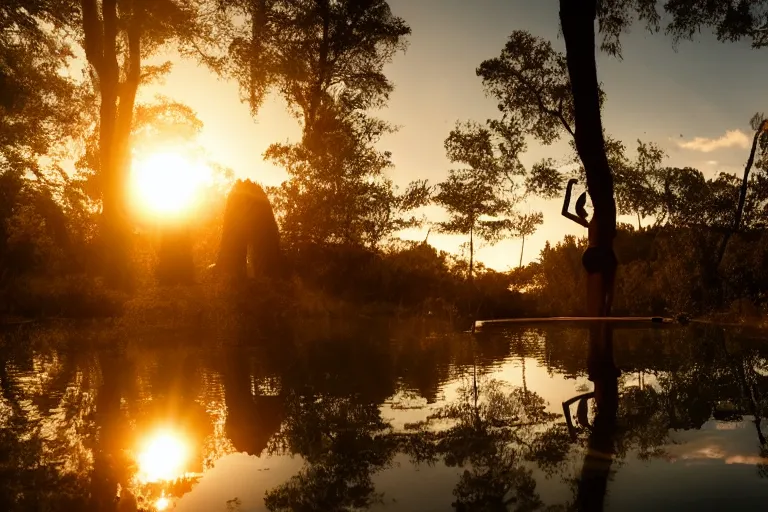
x=162, y=457
x=167, y=184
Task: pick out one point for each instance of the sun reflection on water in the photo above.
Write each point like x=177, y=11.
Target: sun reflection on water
x=162, y=503
x=162, y=457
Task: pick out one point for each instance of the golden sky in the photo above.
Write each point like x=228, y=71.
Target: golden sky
x=695, y=103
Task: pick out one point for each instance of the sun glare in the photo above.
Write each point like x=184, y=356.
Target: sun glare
x=167, y=184
x=162, y=457
x=162, y=503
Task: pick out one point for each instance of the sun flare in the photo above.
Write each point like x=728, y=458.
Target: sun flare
x=162, y=503
x=162, y=457
x=167, y=184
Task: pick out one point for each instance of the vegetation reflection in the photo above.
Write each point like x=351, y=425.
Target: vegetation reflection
x=140, y=422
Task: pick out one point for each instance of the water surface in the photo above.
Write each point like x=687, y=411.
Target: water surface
x=378, y=416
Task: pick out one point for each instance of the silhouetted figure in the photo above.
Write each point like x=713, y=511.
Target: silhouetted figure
x=600, y=447
x=249, y=224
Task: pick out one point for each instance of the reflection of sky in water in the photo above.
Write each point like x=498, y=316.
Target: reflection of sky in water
x=213, y=404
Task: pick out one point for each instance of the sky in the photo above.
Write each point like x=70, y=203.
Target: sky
x=694, y=101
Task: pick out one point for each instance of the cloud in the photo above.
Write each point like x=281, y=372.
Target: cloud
x=731, y=139
x=712, y=162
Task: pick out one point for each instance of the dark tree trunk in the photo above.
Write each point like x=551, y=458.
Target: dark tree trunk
x=596, y=470
x=115, y=120
x=258, y=25
x=742, y=195
x=315, y=100
x=578, y=23
x=522, y=248
x=471, y=253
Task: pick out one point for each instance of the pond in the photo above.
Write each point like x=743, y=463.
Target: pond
x=381, y=416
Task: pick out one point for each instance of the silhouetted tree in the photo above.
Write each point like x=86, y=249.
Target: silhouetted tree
x=760, y=126
x=41, y=114
x=338, y=191
x=117, y=36
x=479, y=197
x=526, y=226
x=317, y=53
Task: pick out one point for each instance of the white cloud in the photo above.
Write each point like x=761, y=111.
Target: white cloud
x=731, y=139
x=711, y=162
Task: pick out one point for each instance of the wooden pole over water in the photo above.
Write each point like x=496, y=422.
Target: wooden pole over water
x=579, y=319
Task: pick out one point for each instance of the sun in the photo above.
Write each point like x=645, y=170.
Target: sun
x=162, y=457
x=167, y=184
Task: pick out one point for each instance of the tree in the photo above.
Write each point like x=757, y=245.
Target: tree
x=480, y=197
x=40, y=110
x=530, y=81
x=338, y=193
x=760, y=127
x=326, y=58
x=316, y=53
x=117, y=35
x=526, y=226
x=39, y=103
x=577, y=20
x=731, y=21
x=577, y=23
x=637, y=191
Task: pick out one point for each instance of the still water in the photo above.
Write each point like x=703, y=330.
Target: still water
x=380, y=416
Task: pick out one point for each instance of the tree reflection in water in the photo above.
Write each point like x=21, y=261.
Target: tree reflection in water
x=70, y=420
x=493, y=430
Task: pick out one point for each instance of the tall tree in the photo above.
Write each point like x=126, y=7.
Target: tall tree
x=38, y=99
x=760, y=127
x=481, y=196
x=40, y=106
x=118, y=35
x=526, y=226
x=338, y=192
x=326, y=58
x=578, y=24
x=316, y=53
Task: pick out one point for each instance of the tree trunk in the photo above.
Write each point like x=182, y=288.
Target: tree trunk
x=742, y=195
x=258, y=23
x=114, y=233
x=471, y=251
x=522, y=248
x=115, y=120
x=578, y=23
x=601, y=447
x=316, y=93
x=639, y=225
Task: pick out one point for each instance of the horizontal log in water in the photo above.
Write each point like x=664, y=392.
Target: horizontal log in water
x=585, y=319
